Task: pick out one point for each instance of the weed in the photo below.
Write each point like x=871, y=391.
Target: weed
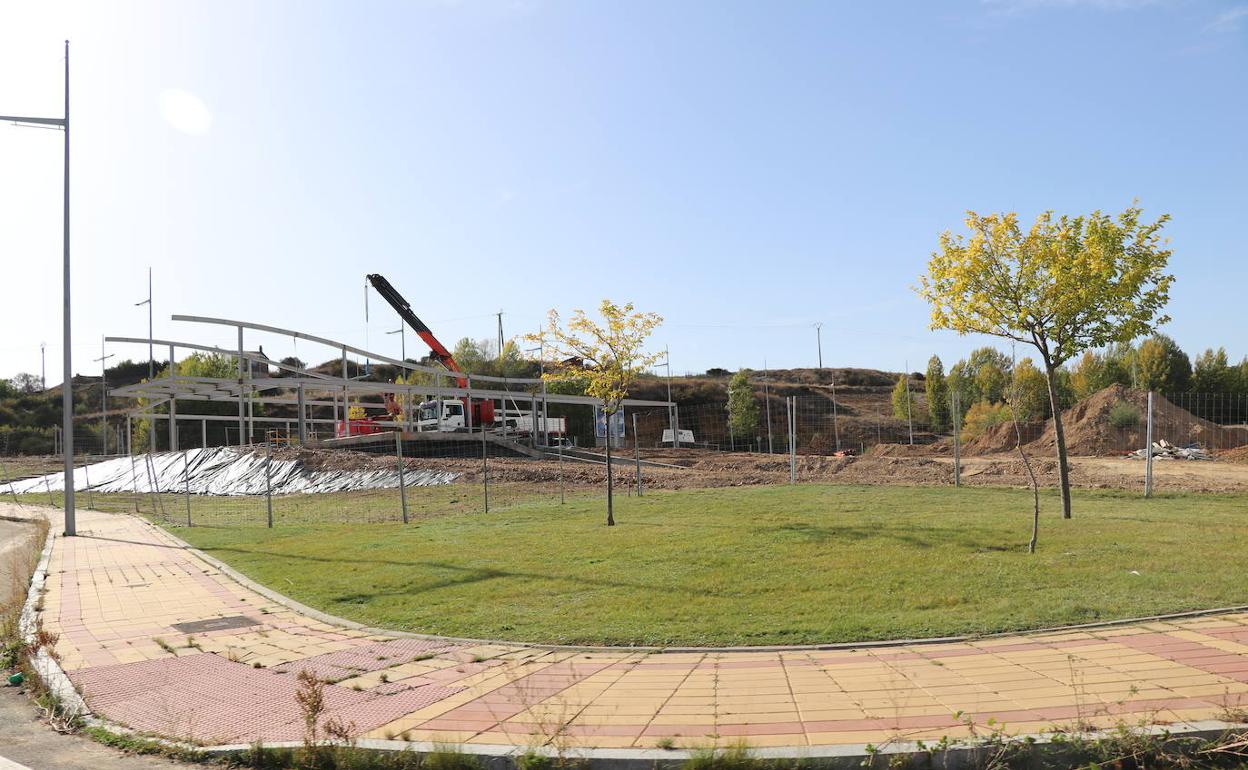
x=137, y=744
x=667, y=743
x=532, y=760
x=448, y=757
x=162, y=644
x=735, y=756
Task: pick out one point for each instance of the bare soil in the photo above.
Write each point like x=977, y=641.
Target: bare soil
x=890, y=466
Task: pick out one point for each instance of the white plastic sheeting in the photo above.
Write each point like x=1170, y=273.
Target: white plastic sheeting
x=224, y=471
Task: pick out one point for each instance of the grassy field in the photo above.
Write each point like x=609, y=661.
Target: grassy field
x=758, y=565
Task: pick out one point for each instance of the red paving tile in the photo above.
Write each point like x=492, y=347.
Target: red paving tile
x=115, y=591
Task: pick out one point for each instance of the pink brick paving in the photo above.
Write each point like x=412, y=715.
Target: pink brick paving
x=114, y=594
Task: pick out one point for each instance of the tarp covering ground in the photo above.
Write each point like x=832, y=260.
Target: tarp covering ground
x=229, y=471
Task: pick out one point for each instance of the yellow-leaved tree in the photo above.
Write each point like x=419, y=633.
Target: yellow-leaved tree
x=1066, y=285
x=607, y=356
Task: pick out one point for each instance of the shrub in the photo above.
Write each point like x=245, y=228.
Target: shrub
x=983, y=415
x=1124, y=416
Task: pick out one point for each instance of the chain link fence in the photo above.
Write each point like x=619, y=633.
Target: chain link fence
x=794, y=438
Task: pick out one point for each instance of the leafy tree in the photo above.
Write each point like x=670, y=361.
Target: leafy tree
x=27, y=383
x=742, y=406
x=937, y=395
x=1096, y=371
x=1212, y=373
x=1064, y=286
x=473, y=357
x=608, y=356
x=1029, y=392
x=902, y=407
x=1161, y=365
x=217, y=365
x=981, y=416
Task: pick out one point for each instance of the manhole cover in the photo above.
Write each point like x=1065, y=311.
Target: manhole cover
x=215, y=624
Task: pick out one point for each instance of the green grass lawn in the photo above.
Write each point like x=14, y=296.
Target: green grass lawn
x=759, y=565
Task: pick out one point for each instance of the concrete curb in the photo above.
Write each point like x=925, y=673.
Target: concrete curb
x=53, y=676
x=958, y=755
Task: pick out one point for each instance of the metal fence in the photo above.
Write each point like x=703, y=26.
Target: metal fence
x=423, y=477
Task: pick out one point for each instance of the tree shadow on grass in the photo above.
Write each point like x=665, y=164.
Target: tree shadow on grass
x=470, y=575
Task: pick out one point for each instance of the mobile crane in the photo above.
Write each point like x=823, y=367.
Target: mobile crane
x=481, y=411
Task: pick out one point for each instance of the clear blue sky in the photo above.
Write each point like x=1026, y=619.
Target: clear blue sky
x=743, y=169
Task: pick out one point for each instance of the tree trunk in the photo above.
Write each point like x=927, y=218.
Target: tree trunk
x=610, y=502
x=1063, y=466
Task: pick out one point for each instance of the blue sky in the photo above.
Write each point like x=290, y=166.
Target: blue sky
x=743, y=169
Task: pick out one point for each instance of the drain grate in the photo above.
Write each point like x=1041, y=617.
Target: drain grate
x=215, y=624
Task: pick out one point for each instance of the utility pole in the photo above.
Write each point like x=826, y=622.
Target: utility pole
x=67, y=387
x=103, y=397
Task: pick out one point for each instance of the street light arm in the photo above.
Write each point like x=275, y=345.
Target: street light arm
x=35, y=121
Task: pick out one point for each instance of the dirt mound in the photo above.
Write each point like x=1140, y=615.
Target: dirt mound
x=1091, y=430
x=1236, y=455
x=1001, y=438
x=908, y=450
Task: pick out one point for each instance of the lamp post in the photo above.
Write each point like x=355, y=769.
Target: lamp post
x=402, y=343
x=104, y=397
x=151, y=358
x=671, y=408
x=67, y=388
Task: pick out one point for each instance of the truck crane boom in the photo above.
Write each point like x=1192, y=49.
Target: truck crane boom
x=401, y=306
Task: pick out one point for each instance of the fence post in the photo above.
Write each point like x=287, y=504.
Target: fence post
x=158, y=507
x=268, y=483
x=1148, y=450
x=637, y=454
x=186, y=476
x=9, y=481
x=485, y=466
x=90, y=497
x=791, y=407
x=398, y=450
x=957, y=439
x=134, y=484
x=561, y=440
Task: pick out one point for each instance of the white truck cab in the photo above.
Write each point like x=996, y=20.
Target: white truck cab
x=441, y=415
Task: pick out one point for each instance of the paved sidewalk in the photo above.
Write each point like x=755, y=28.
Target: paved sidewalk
x=119, y=593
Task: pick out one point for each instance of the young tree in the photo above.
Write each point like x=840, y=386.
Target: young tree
x=902, y=406
x=937, y=395
x=1064, y=286
x=742, y=406
x=609, y=358
x=1096, y=371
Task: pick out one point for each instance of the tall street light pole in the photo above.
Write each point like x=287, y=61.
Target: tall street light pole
x=67, y=388
x=402, y=342
x=151, y=358
x=819, y=341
